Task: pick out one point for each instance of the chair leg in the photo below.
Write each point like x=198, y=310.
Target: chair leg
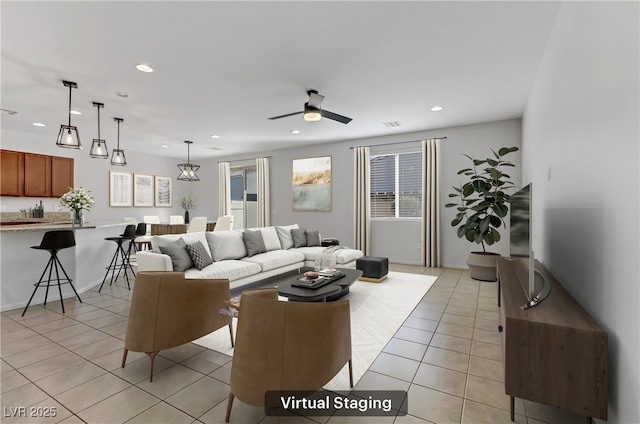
x=46, y=293
x=124, y=356
x=109, y=269
x=231, y=332
x=229, y=404
x=152, y=356
x=350, y=373
x=55, y=263
x=37, y=286
x=68, y=279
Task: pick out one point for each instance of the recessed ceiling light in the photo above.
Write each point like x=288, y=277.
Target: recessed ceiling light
x=164, y=146
x=121, y=94
x=215, y=136
x=436, y=108
x=144, y=68
x=38, y=124
x=75, y=112
x=295, y=131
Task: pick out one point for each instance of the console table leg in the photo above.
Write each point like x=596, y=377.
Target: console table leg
x=513, y=409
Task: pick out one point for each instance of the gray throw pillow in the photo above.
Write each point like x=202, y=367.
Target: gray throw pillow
x=313, y=238
x=299, y=237
x=180, y=259
x=226, y=245
x=199, y=255
x=253, y=242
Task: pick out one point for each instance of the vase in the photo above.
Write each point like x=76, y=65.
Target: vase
x=186, y=217
x=77, y=217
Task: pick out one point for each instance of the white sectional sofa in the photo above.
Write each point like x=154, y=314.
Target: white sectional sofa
x=235, y=258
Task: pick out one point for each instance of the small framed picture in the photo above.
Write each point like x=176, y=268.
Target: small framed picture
x=142, y=190
x=120, y=189
x=163, y=192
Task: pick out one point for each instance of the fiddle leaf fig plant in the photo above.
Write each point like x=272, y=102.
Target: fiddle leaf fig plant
x=483, y=199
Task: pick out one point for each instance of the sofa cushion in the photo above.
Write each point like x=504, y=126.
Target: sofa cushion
x=226, y=245
x=230, y=269
x=299, y=236
x=253, y=242
x=270, y=238
x=284, y=234
x=189, y=238
x=275, y=259
x=313, y=238
x=177, y=251
x=199, y=255
x=344, y=255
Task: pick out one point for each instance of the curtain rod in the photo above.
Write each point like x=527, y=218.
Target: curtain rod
x=240, y=160
x=400, y=142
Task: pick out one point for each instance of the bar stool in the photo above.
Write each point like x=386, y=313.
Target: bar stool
x=120, y=259
x=54, y=241
x=142, y=240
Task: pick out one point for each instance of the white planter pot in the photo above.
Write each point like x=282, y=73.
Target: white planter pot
x=482, y=266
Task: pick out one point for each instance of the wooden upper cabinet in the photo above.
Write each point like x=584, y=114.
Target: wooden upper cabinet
x=12, y=168
x=61, y=175
x=37, y=175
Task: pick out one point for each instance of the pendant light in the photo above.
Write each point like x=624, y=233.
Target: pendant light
x=188, y=170
x=99, y=146
x=117, y=155
x=68, y=136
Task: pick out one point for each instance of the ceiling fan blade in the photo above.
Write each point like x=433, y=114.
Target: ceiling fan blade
x=326, y=114
x=315, y=100
x=288, y=114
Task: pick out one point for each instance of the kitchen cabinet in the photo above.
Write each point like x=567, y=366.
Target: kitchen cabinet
x=37, y=175
x=12, y=169
x=34, y=175
x=61, y=175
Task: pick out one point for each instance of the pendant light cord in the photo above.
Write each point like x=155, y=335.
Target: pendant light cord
x=70, y=87
x=99, y=123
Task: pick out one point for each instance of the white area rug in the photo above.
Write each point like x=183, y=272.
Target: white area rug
x=377, y=311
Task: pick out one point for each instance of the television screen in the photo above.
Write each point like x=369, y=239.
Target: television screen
x=521, y=247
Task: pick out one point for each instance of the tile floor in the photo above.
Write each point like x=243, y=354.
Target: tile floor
x=446, y=356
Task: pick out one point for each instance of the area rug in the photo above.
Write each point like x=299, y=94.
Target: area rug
x=377, y=311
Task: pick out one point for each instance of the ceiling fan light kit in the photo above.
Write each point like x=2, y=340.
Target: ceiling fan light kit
x=117, y=155
x=188, y=170
x=68, y=136
x=313, y=112
x=99, y=146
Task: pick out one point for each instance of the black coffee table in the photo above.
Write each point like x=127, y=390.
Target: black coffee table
x=327, y=293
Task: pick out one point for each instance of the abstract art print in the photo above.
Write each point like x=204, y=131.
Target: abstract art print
x=312, y=184
x=163, y=192
x=119, y=189
x=142, y=190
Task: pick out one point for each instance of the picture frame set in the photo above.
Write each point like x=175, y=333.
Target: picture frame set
x=128, y=189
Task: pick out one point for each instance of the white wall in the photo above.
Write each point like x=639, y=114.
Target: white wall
x=582, y=123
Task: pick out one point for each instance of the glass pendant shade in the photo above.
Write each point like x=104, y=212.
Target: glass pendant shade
x=99, y=146
x=117, y=155
x=68, y=136
x=188, y=170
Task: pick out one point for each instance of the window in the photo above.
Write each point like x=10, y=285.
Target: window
x=396, y=185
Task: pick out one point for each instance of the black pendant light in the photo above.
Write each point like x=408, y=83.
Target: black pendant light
x=117, y=155
x=188, y=170
x=99, y=146
x=68, y=136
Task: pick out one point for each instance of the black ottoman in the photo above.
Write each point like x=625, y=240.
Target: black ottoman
x=374, y=268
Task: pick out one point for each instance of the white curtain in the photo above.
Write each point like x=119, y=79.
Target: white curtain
x=224, y=188
x=362, y=210
x=264, y=192
x=431, y=217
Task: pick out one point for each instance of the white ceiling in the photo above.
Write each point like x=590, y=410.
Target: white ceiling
x=225, y=67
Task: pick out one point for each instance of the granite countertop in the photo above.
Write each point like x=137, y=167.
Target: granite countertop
x=14, y=222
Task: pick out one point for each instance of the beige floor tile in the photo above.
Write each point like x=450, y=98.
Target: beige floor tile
x=32, y=318
x=486, y=368
x=433, y=405
x=199, y=397
x=464, y=302
x=116, y=330
x=395, y=366
x=69, y=378
x=442, y=379
x=91, y=392
x=170, y=381
x=551, y=415
x=454, y=330
x=487, y=336
x=88, y=316
x=374, y=381
x=65, y=333
x=421, y=324
x=81, y=340
x=47, y=411
x=102, y=347
x=447, y=358
x=12, y=380
x=464, y=320
x=405, y=349
x=477, y=413
x=113, y=360
x=105, y=321
x=25, y=395
x=487, y=315
x=357, y=420
x=182, y=352
x=34, y=354
x=240, y=413
x=486, y=324
x=7, y=325
x=4, y=367
x=486, y=350
x=490, y=392
x=207, y=361
x=51, y=366
x=119, y=407
x=222, y=374
x=119, y=309
x=137, y=371
x=27, y=344
x=15, y=336
x=409, y=419
x=162, y=413
x=414, y=335
x=48, y=327
x=457, y=344
x=426, y=314
x=459, y=310
x=430, y=306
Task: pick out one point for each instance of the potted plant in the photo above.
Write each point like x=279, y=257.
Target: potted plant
x=187, y=202
x=483, y=204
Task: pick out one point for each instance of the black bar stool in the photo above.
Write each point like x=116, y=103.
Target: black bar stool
x=141, y=231
x=120, y=259
x=54, y=241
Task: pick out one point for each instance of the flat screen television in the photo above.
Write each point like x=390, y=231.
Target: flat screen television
x=521, y=247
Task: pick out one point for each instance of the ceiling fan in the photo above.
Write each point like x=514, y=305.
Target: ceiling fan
x=313, y=111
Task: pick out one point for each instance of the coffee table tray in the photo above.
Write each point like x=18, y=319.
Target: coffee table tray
x=317, y=283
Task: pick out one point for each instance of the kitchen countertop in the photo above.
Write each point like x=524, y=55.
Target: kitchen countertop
x=33, y=225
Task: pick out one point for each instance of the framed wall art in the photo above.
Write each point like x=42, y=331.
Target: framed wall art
x=143, y=190
x=120, y=189
x=311, y=181
x=163, y=192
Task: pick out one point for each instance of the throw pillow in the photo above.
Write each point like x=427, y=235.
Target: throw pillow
x=313, y=238
x=199, y=255
x=226, y=245
x=180, y=259
x=270, y=238
x=299, y=237
x=284, y=234
x=253, y=242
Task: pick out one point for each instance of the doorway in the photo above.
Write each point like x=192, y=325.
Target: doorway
x=244, y=197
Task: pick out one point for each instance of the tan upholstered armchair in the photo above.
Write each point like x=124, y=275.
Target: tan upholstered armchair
x=168, y=310
x=287, y=346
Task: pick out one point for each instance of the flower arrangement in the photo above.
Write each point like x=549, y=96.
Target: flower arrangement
x=77, y=199
x=187, y=201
